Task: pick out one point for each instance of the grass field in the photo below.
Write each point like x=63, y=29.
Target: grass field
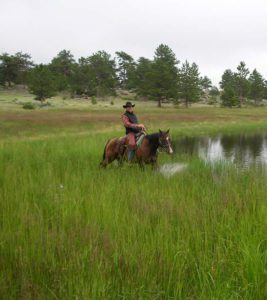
x=70, y=230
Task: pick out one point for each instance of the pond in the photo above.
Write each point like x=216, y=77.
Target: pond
x=242, y=150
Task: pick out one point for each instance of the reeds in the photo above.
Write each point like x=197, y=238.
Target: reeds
x=70, y=230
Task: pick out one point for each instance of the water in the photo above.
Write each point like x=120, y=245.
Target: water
x=242, y=150
x=170, y=169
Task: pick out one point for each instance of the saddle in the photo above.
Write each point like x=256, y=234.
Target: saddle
x=139, y=138
x=122, y=142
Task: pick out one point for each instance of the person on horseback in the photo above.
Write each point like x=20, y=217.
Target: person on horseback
x=132, y=127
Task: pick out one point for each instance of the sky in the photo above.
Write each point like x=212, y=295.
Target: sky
x=216, y=34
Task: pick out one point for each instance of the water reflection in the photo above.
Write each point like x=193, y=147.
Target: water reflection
x=242, y=150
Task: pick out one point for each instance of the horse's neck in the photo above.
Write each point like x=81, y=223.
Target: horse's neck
x=153, y=140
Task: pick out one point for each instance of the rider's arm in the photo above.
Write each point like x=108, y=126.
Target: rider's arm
x=127, y=123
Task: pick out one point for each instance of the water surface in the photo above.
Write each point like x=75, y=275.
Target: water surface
x=243, y=150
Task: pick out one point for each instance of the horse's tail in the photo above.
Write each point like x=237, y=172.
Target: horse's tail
x=104, y=153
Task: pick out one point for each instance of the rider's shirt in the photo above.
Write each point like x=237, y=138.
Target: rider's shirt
x=130, y=122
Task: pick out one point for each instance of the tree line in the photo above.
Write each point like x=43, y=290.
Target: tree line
x=163, y=78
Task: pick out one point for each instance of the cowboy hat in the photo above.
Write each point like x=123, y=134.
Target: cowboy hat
x=128, y=104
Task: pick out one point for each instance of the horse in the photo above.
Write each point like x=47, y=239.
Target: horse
x=146, y=152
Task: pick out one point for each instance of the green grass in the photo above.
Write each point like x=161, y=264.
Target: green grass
x=70, y=230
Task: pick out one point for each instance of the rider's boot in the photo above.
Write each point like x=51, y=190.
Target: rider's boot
x=131, y=155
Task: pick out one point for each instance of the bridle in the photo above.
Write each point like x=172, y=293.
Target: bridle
x=164, y=146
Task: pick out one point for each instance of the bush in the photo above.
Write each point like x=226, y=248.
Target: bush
x=28, y=105
x=94, y=100
x=111, y=102
x=128, y=98
x=44, y=104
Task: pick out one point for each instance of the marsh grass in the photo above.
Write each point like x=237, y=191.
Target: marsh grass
x=70, y=230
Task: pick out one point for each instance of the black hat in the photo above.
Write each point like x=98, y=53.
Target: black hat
x=128, y=104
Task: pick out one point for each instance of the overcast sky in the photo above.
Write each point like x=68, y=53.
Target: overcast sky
x=216, y=34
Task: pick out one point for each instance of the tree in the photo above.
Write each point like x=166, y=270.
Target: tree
x=126, y=69
x=229, y=86
x=214, y=91
x=81, y=79
x=205, y=83
x=265, y=89
x=103, y=72
x=142, y=77
x=229, y=97
x=189, y=83
x=256, y=86
x=213, y=95
x=62, y=67
x=163, y=75
x=41, y=82
x=228, y=79
x=242, y=82
x=24, y=64
x=14, y=68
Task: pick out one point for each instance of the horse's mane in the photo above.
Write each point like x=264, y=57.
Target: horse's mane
x=153, y=137
x=153, y=140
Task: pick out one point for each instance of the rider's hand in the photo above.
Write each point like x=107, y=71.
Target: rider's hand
x=142, y=126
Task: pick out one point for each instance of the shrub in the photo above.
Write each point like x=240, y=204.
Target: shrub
x=28, y=105
x=44, y=104
x=111, y=102
x=128, y=98
x=94, y=100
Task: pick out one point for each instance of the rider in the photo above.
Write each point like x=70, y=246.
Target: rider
x=132, y=127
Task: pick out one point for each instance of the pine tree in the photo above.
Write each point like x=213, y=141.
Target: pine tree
x=62, y=67
x=103, y=74
x=265, y=89
x=256, y=86
x=41, y=82
x=189, y=83
x=126, y=69
x=142, y=77
x=229, y=85
x=14, y=68
x=205, y=83
x=163, y=75
x=242, y=82
x=81, y=79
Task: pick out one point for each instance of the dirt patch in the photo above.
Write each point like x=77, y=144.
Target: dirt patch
x=55, y=117
x=41, y=117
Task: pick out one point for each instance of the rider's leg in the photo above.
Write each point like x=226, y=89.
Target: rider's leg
x=131, y=146
x=130, y=155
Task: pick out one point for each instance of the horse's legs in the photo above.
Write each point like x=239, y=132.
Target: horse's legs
x=154, y=164
x=104, y=163
x=120, y=161
x=141, y=164
x=108, y=160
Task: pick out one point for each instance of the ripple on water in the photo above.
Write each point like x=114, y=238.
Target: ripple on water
x=171, y=169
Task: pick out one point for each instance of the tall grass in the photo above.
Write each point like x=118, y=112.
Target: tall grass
x=70, y=230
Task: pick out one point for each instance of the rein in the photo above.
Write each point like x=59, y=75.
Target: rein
x=156, y=143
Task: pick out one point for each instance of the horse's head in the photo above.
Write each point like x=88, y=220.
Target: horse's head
x=165, y=141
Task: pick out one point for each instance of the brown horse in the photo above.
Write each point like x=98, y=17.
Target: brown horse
x=146, y=153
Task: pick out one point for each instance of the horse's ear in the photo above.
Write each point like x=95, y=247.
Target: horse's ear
x=160, y=131
x=168, y=131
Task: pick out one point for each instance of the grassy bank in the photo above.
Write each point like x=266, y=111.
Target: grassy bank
x=70, y=230
x=194, y=121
